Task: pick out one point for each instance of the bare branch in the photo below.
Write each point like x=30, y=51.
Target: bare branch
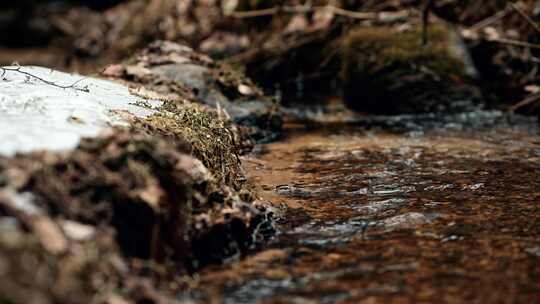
x=18, y=69
x=308, y=9
x=515, y=43
x=428, y=6
x=489, y=20
x=525, y=16
x=531, y=99
x=254, y=13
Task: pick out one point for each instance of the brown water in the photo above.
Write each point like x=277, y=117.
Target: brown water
x=405, y=209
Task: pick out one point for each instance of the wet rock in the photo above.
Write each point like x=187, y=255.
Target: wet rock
x=374, y=208
x=294, y=191
x=533, y=251
x=408, y=220
x=181, y=74
x=388, y=71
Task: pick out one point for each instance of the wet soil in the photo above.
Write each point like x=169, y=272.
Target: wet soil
x=400, y=209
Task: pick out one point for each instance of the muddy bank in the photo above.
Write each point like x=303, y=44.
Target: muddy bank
x=141, y=200
x=121, y=193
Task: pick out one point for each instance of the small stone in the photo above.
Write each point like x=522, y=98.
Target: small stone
x=77, y=231
x=49, y=234
x=137, y=71
x=115, y=299
x=534, y=251
x=22, y=202
x=405, y=221
x=114, y=70
x=245, y=90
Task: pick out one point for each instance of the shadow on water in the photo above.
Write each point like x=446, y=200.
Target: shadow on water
x=405, y=208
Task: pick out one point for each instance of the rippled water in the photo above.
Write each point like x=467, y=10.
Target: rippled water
x=435, y=208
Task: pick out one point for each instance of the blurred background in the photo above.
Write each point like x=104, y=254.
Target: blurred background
x=84, y=36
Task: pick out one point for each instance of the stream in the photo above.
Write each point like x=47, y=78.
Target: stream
x=404, y=209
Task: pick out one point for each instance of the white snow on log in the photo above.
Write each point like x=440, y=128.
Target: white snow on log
x=35, y=115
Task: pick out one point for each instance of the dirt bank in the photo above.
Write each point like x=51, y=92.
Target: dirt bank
x=117, y=192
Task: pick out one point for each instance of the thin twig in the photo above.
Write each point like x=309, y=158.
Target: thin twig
x=525, y=102
x=254, y=13
x=351, y=14
x=18, y=69
x=515, y=43
x=525, y=16
x=308, y=9
x=489, y=20
x=501, y=14
x=428, y=6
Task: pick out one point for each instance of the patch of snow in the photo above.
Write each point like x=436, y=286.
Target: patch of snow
x=35, y=115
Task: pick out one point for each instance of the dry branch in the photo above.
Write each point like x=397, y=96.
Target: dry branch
x=525, y=16
x=381, y=16
x=531, y=99
x=18, y=69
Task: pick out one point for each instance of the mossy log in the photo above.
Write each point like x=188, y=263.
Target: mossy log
x=388, y=71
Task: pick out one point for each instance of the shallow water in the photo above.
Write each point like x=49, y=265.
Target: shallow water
x=429, y=208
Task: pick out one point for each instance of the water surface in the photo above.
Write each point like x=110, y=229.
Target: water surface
x=408, y=209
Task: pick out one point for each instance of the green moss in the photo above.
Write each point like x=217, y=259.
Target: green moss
x=211, y=137
x=373, y=49
x=388, y=71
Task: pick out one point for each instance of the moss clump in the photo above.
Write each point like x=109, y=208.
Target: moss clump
x=211, y=138
x=392, y=48
x=390, y=71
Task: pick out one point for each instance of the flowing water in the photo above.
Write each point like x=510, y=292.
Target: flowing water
x=426, y=208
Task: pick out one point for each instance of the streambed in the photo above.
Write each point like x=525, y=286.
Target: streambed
x=418, y=208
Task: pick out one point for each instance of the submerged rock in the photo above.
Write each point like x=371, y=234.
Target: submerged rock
x=387, y=70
